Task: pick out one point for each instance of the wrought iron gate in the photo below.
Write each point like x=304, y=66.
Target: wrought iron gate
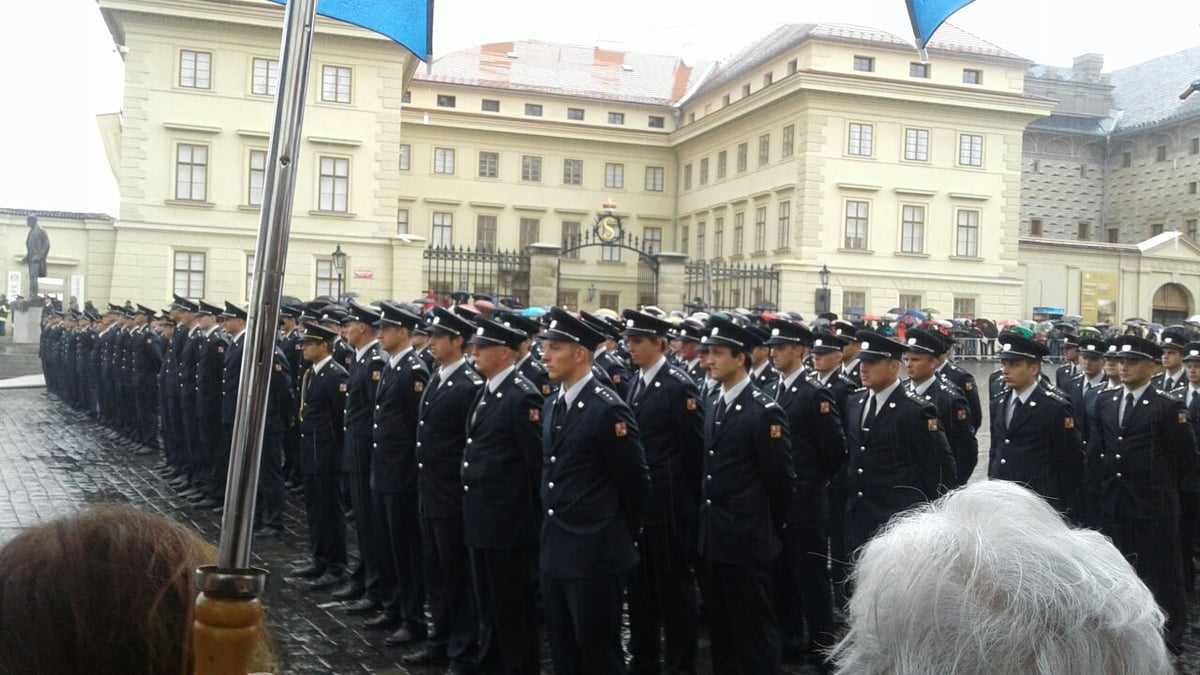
x=714, y=287
x=647, y=281
x=491, y=273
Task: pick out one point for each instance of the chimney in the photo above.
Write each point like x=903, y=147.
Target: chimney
x=1087, y=67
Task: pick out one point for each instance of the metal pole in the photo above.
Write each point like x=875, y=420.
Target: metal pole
x=269, y=261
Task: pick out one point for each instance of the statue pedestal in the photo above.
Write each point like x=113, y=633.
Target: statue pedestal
x=25, y=326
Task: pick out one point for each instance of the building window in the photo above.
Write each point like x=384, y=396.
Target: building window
x=614, y=175
x=568, y=298
x=1195, y=146
x=264, y=79
x=964, y=308
x=721, y=157
x=489, y=164
x=700, y=228
x=760, y=229
x=335, y=84
x=971, y=76
x=335, y=184
x=570, y=238
x=764, y=149
x=857, y=220
x=916, y=145
x=1160, y=153
x=854, y=303
x=446, y=101
x=406, y=97
x=789, y=141
x=189, y=274
x=531, y=169
x=684, y=230
x=401, y=221
x=490, y=105
x=191, y=172
x=610, y=300
x=1084, y=232
x=1192, y=188
x=704, y=171
x=1114, y=235
x=864, y=64
x=533, y=110
x=195, y=69
x=616, y=118
x=1191, y=229
x=784, y=235
x=743, y=150
x=652, y=240
x=657, y=122
x=725, y=100
x=967, y=235
x=861, y=139
x=687, y=177
x=258, y=177
x=327, y=281
x=1035, y=227
x=1156, y=229
x=574, y=114
x=530, y=231
x=739, y=230
x=912, y=229
x=792, y=67
x=572, y=172
x=443, y=230
x=654, y=178
x=405, y=157
x=745, y=90
x=719, y=237
x=1126, y=160
x=610, y=253
x=918, y=70
x=249, y=276
x=970, y=150
x=768, y=79
x=443, y=160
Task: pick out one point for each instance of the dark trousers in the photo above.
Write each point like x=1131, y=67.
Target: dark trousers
x=448, y=582
x=366, y=573
x=1152, y=547
x=271, y=491
x=741, y=622
x=839, y=556
x=505, y=591
x=197, y=472
x=291, y=453
x=583, y=621
x=146, y=405
x=401, y=572
x=127, y=408
x=1189, y=509
x=802, y=593
x=210, y=452
x=326, y=524
x=662, y=597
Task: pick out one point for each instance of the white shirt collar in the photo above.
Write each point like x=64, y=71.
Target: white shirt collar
x=569, y=395
x=1025, y=393
x=884, y=394
x=1137, y=393
x=788, y=381
x=650, y=373
x=395, y=359
x=755, y=372
x=321, y=364
x=920, y=389
x=358, y=353
x=446, y=371
x=494, y=383
x=847, y=367
x=239, y=335
x=730, y=395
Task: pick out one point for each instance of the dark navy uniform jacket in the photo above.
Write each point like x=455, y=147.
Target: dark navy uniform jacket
x=618, y=376
x=146, y=358
x=321, y=424
x=502, y=466
x=441, y=436
x=210, y=364
x=397, y=402
x=281, y=395
x=534, y=370
x=364, y=375
x=818, y=443
x=765, y=381
x=954, y=415
x=594, y=486
x=1040, y=447
x=231, y=376
x=965, y=381
x=748, y=480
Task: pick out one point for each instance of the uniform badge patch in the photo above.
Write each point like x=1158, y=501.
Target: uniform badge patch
x=776, y=431
x=278, y=368
x=969, y=386
x=616, y=379
x=375, y=376
x=342, y=388
x=824, y=407
x=1068, y=422
x=534, y=415
x=546, y=390
x=620, y=430
x=691, y=404
x=961, y=415
x=220, y=350
x=932, y=424
x=1183, y=418
x=418, y=386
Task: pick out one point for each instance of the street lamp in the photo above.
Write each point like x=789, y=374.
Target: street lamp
x=591, y=293
x=822, y=302
x=339, y=268
x=824, y=275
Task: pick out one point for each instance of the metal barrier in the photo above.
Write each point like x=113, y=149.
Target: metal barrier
x=973, y=348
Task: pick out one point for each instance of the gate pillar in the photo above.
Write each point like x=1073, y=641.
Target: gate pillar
x=543, y=274
x=671, y=280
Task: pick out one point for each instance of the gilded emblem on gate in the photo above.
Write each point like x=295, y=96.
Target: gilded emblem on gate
x=608, y=228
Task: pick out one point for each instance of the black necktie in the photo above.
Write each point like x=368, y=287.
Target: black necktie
x=870, y=418
x=1194, y=404
x=720, y=411
x=1128, y=413
x=637, y=388
x=559, y=415
x=1016, y=405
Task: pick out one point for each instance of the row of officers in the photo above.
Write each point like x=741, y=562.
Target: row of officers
x=509, y=473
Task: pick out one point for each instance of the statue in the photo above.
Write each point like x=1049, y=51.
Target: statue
x=37, y=249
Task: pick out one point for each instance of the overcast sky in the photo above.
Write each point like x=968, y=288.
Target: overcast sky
x=61, y=70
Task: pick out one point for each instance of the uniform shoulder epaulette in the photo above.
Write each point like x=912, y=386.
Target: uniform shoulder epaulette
x=1057, y=394
x=761, y=398
x=1162, y=393
x=413, y=361
x=473, y=375
x=913, y=396
x=859, y=389
x=339, y=366
x=606, y=394
x=1001, y=394
x=377, y=356
x=949, y=385
x=678, y=374
x=525, y=385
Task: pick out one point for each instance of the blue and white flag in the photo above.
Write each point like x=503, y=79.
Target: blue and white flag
x=407, y=22
x=928, y=15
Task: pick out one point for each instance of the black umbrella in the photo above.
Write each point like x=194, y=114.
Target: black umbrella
x=828, y=316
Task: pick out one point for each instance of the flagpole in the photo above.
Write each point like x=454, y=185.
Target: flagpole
x=228, y=610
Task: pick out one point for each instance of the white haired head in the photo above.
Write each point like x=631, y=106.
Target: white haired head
x=989, y=580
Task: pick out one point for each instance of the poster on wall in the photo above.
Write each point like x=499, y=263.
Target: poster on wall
x=1098, y=297
x=13, y=287
x=77, y=288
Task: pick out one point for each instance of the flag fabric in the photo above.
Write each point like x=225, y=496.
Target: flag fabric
x=928, y=15
x=407, y=22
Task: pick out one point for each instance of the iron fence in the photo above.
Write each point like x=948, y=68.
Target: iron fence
x=478, y=272
x=714, y=287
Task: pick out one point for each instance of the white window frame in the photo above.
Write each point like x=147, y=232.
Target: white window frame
x=861, y=218
x=190, y=273
x=443, y=161
x=195, y=69
x=614, y=175
x=441, y=229
x=966, y=234
x=256, y=176
x=572, y=171
x=655, y=178
x=337, y=84
x=970, y=150
x=403, y=216
x=916, y=144
x=531, y=168
x=189, y=188
x=912, y=228
x=489, y=164
x=264, y=76
x=333, y=191
x=860, y=139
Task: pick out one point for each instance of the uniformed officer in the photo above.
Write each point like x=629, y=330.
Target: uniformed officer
x=334, y=317
x=290, y=341
x=1069, y=369
x=1172, y=375
x=501, y=472
x=281, y=407
x=851, y=364
x=762, y=373
x=595, y=483
x=1083, y=389
x=364, y=373
x=921, y=359
x=146, y=362
x=961, y=378
x=747, y=490
x=322, y=407
x=686, y=343
x=1140, y=447
x=420, y=342
x=528, y=364
x=1034, y=439
x=1189, y=486
x=186, y=433
x=211, y=344
x=898, y=455
x=394, y=476
x=603, y=360
x=670, y=418
x=441, y=438
x=234, y=324
x=804, y=594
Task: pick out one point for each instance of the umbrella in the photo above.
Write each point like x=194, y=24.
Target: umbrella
x=1136, y=320
x=890, y=316
x=1090, y=331
x=897, y=311
x=485, y=306
x=919, y=316
x=1005, y=323
x=908, y=320
x=765, y=306
x=872, y=317
x=945, y=324
x=606, y=313
x=1073, y=318
x=913, y=22
x=831, y=316
x=533, y=312
x=1194, y=319
x=930, y=310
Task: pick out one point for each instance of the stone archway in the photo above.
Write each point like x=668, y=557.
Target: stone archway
x=1172, y=304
